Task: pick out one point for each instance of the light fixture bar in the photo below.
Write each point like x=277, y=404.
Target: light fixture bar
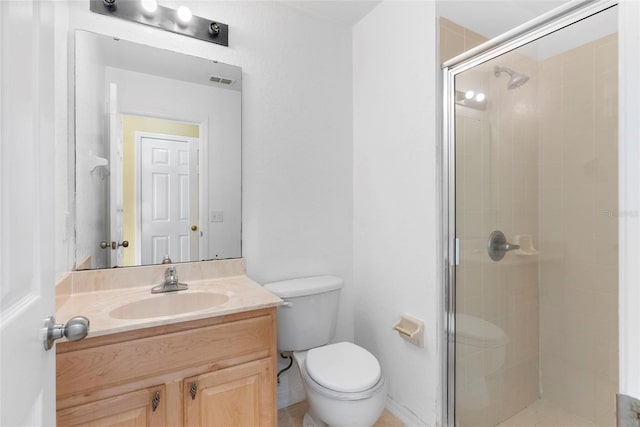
x=164, y=18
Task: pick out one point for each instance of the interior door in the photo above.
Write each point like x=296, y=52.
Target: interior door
x=27, y=371
x=168, y=198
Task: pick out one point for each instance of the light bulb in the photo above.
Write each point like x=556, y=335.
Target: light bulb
x=469, y=94
x=184, y=14
x=149, y=6
x=480, y=97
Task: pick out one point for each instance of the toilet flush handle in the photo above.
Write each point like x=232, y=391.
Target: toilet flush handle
x=287, y=304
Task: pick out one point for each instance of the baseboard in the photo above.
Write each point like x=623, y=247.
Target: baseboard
x=408, y=418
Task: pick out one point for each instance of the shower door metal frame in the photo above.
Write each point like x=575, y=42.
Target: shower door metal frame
x=554, y=20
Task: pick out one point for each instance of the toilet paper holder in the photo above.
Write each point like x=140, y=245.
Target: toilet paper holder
x=411, y=329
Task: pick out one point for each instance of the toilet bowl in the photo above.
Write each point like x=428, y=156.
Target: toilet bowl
x=475, y=335
x=343, y=382
x=339, y=391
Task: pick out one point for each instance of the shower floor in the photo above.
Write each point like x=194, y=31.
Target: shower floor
x=545, y=414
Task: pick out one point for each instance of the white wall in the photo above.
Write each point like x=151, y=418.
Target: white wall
x=629, y=198
x=395, y=198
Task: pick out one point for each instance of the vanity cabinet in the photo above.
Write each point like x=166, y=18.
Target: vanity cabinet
x=138, y=408
x=235, y=396
x=218, y=371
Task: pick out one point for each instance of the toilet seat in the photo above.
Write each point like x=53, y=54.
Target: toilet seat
x=343, y=367
x=478, y=332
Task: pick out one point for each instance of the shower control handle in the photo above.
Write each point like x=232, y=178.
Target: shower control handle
x=497, y=245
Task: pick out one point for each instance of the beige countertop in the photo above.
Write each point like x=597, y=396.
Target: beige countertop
x=237, y=294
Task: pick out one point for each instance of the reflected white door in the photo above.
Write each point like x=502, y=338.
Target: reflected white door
x=27, y=371
x=168, y=176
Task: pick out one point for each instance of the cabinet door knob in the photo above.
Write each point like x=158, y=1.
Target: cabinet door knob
x=194, y=227
x=155, y=401
x=193, y=390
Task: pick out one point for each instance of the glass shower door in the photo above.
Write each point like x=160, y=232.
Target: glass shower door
x=536, y=218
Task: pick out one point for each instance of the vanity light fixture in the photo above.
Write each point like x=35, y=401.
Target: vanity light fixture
x=180, y=21
x=471, y=99
x=184, y=14
x=149, y=6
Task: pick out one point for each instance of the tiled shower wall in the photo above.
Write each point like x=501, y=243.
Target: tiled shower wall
x=578, y=245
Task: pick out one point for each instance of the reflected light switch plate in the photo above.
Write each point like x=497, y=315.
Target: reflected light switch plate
x=215, y=216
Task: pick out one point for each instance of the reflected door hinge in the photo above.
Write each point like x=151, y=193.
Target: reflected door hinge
x=457, y=251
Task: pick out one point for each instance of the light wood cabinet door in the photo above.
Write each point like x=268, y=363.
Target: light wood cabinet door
x=141, y=408
x=239, y=396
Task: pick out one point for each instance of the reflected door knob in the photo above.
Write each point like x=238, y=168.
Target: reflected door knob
x=115, y=245
x=76, y=329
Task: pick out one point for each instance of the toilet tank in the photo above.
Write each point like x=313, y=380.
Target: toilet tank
x=308, y=317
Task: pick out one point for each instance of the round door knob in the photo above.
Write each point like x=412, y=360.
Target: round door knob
x=105, y=245
x=76, y=329
x=194, y=227
x=115, y=245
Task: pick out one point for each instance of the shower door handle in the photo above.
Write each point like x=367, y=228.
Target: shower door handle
x=497, y=245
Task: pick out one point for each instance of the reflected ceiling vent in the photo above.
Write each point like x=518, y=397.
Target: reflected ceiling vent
x=221, y=80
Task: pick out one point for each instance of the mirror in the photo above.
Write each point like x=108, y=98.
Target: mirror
x=157, y=155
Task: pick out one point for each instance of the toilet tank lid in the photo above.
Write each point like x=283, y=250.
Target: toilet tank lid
x=304, y=286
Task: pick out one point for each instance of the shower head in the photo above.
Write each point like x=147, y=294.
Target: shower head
x=516, y=79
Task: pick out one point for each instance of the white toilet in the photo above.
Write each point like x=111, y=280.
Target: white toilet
x=475, y=335
x=343, y=382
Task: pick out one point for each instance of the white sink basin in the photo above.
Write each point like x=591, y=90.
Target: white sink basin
x=168, y=304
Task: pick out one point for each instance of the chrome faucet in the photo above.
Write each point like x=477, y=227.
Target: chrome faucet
x=171, y=282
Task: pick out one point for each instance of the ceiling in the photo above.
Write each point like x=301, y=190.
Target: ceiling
x=341, y=11
x=489, y=18
x=492, y=18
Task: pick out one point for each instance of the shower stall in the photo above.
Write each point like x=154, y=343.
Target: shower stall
x=530, y=160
